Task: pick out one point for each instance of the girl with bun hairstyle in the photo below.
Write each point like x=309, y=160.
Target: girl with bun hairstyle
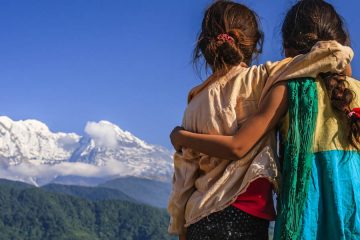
x=221, y=191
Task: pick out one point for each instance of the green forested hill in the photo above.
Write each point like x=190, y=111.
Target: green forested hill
x=90, y=193
x=32, y=213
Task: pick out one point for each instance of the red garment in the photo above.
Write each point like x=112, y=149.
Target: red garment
x=257, y=200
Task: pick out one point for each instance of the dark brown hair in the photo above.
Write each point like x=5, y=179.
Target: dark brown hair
x=310, y=21
x=238, y=22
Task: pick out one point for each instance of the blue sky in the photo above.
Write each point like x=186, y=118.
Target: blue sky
x=129, y=62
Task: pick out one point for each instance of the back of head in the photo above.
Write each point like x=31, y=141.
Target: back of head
x=308, y=22
x=230, y=34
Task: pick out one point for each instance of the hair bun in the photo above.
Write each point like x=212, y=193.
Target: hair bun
x=224, y=27
x=230, y=54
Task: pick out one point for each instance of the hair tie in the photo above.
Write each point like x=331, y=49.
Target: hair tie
x=225, y=38
x=354, y=114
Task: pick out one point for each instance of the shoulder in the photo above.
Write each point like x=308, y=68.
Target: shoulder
x=354, y=85
x=260, y=70
x=273, y=67
x=254, y=73
x=353, y=82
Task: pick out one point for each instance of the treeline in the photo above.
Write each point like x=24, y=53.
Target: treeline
x=30, y=213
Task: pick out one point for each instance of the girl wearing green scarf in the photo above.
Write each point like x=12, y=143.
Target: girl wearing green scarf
x=320, y=194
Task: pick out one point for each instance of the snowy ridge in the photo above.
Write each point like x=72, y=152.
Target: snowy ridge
x=32, y=141
x=30, y=152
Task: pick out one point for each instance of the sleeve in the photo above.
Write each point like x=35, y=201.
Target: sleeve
x=325, y=56
x=185, y=174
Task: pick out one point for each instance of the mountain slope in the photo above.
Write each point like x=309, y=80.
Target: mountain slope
x=151, y=192
x=34, y=214
x=107, y=144
x=14, y=184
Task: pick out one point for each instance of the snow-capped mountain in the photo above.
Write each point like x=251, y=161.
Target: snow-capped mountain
x=106, y=144
x=31, y=141
x=30, y=152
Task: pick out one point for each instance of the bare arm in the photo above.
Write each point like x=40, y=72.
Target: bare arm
x=234, y=147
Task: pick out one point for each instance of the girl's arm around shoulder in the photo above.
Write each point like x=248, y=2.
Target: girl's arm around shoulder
x=236, y=146
x=325, y=56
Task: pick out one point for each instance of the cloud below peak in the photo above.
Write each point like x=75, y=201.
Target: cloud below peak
x=103, y=133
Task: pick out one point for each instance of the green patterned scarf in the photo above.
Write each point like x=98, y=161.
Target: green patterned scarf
x=303, y=108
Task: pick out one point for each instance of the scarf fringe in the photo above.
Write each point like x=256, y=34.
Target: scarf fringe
x=303, y=109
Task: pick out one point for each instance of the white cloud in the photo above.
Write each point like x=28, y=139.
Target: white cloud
x=44, y=173
x=103, y=133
